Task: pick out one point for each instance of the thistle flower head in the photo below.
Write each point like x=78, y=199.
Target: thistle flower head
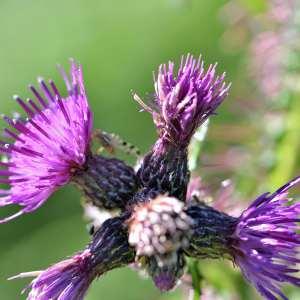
x=159, y=230
x=159, y=227
x=183, y=101
x=106, y=182
x=48, y=146
x=68, y=279
x=266, y=242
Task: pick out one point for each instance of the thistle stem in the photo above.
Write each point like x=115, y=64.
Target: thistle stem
x=196, y=278
x=289, y=146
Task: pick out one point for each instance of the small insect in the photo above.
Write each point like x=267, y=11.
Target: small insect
x=111, y=142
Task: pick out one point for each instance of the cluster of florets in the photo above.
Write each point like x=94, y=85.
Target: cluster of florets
x=160, y=221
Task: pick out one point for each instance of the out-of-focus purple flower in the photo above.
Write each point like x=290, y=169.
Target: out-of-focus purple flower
x=209, y=293
x=183, y=101
x=49, y=146
x=195, y=189
x=268, y=55
x=266, y=242
x=272, y=49
x=223, y=200
x=282, y=10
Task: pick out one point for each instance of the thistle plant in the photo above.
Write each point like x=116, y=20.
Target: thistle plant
x=159, y=224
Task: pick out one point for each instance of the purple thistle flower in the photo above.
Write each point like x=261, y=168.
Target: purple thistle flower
x=52, y=148
x=157, y=226
x=70, y=279
x=183, y=101
x=49, y=146
x=66, y=280
x=266, y=242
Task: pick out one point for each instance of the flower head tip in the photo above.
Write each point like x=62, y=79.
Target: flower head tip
x=183, y=101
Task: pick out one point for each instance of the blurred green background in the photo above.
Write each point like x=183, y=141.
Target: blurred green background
x=119, y=43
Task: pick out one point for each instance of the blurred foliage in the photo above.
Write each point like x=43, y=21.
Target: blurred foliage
x=255, y=6
x=119, y=43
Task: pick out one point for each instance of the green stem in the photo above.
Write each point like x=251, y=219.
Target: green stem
x=196, y=145
x=194, y=153
x=196, y=278
x=288, y=148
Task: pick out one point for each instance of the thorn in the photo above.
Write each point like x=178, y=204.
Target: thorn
x=25, y=275
x=141, y=102
x=40, y=79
